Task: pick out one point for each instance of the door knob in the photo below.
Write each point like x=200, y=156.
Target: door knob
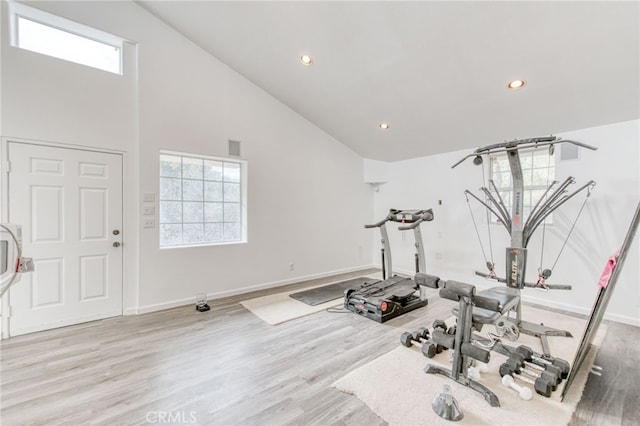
x=116, y=244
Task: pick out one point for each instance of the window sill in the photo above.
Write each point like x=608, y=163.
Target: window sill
x=226, y=243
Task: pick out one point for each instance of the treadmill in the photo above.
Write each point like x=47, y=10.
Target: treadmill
x=393, y=295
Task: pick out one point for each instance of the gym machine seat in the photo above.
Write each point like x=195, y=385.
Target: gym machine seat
x=507, y=299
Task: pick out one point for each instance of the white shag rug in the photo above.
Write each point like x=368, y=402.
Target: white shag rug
x=278, y=308
x=398, y=390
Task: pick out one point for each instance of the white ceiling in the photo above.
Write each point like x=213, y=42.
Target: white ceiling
x=435, y=71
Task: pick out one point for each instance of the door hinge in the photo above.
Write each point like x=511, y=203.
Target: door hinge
x=7, y=166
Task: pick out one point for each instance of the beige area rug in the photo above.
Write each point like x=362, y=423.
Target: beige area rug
x=278, y=308
x=396, y=388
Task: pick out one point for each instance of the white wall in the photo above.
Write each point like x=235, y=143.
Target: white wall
x=306, y=198
x=452, y=248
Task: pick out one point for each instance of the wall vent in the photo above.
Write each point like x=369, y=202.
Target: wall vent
x=569, y=151
x=234, y=148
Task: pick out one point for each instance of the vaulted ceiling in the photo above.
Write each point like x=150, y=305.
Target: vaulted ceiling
x=436, y=72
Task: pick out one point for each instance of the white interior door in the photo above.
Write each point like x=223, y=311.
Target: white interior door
x=69, y=203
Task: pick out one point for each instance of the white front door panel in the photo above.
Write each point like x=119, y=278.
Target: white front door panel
x=69, y=203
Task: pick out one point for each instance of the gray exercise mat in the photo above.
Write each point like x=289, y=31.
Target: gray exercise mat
x=319, y=295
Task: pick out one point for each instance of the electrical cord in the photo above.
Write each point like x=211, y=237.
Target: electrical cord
x=338, y=310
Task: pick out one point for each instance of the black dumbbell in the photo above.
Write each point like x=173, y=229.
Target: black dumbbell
x=535, y=358
x=422, y=332
x=440, y=325
x=552, y=372
x=541, y=386
x=417, y=338
x=429, y=348
x=550, y=377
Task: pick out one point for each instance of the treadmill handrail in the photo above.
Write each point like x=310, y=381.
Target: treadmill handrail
x=378, y=224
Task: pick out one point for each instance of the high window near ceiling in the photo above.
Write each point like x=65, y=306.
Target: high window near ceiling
x=42, y=32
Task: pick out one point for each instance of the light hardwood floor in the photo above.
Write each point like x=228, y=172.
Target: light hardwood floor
x=227, y=367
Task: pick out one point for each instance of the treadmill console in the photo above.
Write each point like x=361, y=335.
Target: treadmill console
x=409, y=216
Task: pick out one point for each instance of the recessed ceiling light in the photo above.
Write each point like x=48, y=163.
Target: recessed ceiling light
x=306, y=60
x=516, y=84
x=384, y=126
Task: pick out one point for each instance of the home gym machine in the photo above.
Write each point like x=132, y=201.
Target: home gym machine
x=393, y=295
x=520, y=230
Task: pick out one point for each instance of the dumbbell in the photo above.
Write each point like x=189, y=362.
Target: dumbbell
x=541, y=386
x=524, y=392
x=422, y=332
x=419, y=339
x=475, y=368
x=558, y=363
x=551, y=373
x=479, y=366
x=440, y=325
x=429, y=347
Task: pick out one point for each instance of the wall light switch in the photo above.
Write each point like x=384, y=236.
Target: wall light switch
x=149, y=210
x=149, y=197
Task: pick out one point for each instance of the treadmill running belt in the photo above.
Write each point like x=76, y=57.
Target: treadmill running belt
x=319, y=295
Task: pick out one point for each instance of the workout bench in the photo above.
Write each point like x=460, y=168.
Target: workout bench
x=469, y=318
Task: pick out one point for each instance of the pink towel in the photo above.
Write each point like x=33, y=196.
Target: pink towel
x=608, y=270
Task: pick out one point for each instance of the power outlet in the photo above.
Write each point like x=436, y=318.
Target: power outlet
x=149, y=222
x=292, y=266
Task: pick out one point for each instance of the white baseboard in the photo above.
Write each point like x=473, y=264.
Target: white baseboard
x=166, y=305
x=623, y=319
x=228, y=293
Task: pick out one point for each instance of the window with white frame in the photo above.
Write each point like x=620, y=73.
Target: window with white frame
x=538, y=172
x=42, y=32
x=202, y=200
